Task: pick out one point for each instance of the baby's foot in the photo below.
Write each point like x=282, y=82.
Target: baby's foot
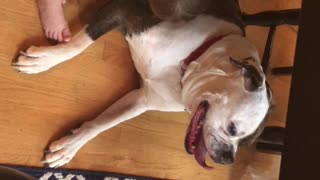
x=53, y=22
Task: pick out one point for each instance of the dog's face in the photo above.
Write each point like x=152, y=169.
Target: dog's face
x=228, y=107
x=230, y=120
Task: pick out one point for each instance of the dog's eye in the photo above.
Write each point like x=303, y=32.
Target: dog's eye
x=232, y=130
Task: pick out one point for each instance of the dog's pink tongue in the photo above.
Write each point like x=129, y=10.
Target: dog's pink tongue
x=200, y=154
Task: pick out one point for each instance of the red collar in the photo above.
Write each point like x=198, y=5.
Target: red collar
x=200, y=50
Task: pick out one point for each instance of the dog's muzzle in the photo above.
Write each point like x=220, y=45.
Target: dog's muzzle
x=223, y=155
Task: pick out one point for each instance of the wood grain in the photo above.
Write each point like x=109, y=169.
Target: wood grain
x=35, y=109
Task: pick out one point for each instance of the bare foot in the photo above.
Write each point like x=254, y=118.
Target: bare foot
x=53, y=22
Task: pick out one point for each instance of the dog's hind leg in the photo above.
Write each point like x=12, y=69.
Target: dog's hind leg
x=62, y=151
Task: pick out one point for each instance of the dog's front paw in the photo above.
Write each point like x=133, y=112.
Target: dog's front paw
x=63, y=150
x=38, y=59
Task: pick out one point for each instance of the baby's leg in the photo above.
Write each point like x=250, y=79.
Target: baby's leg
x=53, y=22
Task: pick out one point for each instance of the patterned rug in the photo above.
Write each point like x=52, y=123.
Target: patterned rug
x=63, y=174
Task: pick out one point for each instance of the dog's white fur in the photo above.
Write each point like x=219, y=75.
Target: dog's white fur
x=39, y=59
x=157, y=54
x=213, y=78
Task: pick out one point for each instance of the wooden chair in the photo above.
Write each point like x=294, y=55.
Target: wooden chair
x=272, y=138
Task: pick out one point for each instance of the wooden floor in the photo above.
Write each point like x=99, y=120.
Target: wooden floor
x=35, y=109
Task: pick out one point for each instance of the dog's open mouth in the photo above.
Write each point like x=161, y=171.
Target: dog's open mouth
x=194, y=142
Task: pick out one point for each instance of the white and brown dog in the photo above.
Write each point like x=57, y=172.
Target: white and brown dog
x=192, y=55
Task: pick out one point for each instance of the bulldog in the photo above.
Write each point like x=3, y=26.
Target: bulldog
x=192, y=55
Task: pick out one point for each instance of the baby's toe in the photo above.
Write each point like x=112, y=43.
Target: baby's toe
x=66, y=35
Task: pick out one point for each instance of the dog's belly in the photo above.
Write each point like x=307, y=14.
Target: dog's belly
x=158, y=52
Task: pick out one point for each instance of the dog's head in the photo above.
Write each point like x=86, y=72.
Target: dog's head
x=229, y=100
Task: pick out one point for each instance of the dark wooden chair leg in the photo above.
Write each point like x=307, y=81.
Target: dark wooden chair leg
x=271, y=140
x=269, y=18
x=282, y=71
x=268, y=49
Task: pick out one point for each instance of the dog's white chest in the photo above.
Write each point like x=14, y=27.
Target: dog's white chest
x=158, y=52
x=168, y=43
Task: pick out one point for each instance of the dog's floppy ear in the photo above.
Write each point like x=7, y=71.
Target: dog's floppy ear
x=251, y=138
x=254, y=78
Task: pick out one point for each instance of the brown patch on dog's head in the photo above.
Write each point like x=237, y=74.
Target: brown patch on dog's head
x=254, y=78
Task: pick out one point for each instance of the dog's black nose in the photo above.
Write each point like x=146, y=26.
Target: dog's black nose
x=226, y=157
x=223, y=157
